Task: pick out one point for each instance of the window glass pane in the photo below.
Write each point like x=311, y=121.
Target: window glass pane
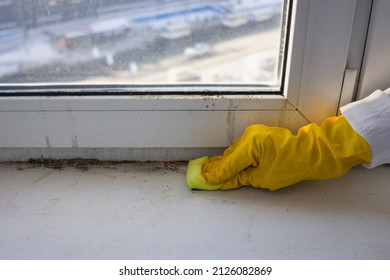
x=141, y=42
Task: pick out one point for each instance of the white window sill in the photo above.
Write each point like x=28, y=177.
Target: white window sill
x=145, y=211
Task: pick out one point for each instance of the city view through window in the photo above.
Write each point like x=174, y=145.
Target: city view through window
x=135, y=42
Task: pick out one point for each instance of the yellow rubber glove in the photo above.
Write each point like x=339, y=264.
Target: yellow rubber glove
x=273, y=157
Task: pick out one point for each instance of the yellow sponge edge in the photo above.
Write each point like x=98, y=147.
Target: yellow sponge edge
x=194, y=177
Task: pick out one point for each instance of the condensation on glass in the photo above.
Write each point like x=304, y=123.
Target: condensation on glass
x=141, y=42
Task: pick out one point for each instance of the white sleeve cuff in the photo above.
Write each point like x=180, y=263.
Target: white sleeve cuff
x=370, y=117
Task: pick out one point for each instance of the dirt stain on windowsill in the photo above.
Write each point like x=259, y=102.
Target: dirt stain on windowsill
x=85, y=164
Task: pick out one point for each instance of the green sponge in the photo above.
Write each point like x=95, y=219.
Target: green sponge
x=194, y=177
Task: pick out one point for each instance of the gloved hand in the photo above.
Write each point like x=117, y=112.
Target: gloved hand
x=273, y=157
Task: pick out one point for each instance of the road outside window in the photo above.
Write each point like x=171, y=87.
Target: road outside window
x=208, y=42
